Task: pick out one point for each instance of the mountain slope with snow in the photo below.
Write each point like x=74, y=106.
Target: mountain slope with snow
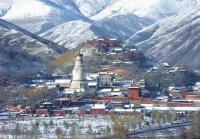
x=70, y=34
x=21, y=51
x=175, y=40
x=116, y=18
x=4, y=6
x=122, y=26
x=92, y=7
x=51, y=45
x=153, y=9
x=41, y=15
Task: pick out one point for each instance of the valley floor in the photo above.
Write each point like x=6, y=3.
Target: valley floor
x=80, y=127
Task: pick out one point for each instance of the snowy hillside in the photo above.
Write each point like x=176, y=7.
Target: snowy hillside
x=41, y=15
x=38, y=15
x=122, y=26
x=70, y=34
x=92, y=7
x=4, y=6
x=51, y=45
x=153, y=9
x=118, y=18
x=175, y=40
x=22, y=51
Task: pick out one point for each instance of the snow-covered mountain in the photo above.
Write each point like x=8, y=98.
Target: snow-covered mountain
x=4, y=6
x=153, y=9
x=54, y=19
x=175, y=40
x=115, y=18
x=22, y=51
x=51, y=45
x=70, y=34
x=40, y=15
x=92, y=7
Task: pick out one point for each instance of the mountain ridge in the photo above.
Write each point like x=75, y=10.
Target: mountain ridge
x=24, y=52
x=50, y=44
x=174, y=40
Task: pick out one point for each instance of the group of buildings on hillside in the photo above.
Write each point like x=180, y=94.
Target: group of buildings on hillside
x=166, y=67
x=104, y=92
x=101, y=93
x=109, y=47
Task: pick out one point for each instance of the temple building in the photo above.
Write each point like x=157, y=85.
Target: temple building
x=78, y=73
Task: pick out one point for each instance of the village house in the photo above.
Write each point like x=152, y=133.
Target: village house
x=99, y=109
x=131, y=52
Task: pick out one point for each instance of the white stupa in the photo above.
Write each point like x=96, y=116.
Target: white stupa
x=78, y=73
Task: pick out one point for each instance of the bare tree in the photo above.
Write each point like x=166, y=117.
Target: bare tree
x=158, y=117
x=18, y=131
x=46, y=127
x=73, y=133
x=118, y=126
x=170, y=116
x=195, y=125
x=59, y=133
x=135, y=120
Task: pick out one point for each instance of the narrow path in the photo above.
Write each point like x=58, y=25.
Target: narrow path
x=152, y=129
